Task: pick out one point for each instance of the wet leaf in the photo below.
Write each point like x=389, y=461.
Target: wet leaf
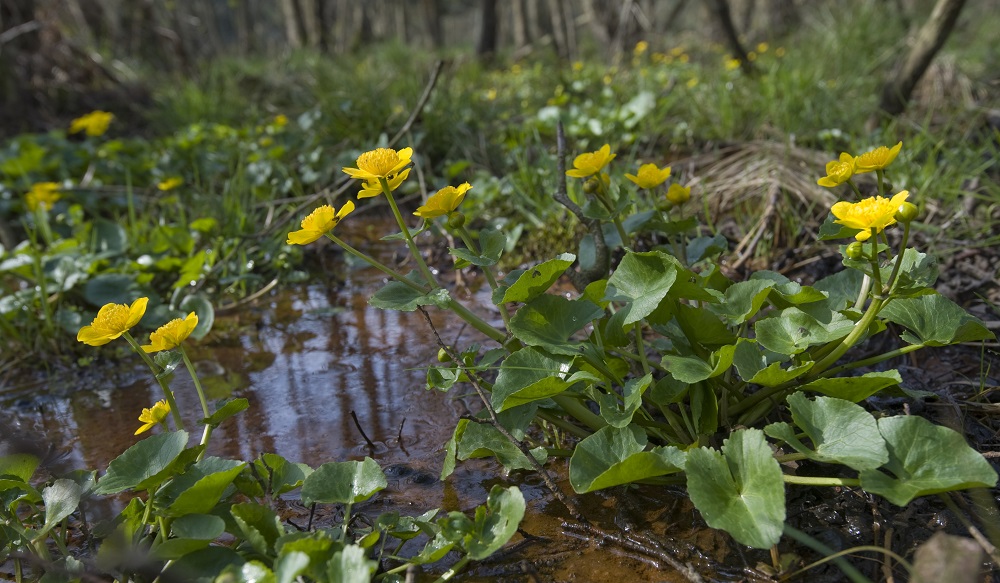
x=537, y=280
x=198, y=526
x=145, y=460
x=19, y=465
x=492, y=242
x=739, y=490
x=614, y=456
x=854, y=389
x=548, y=321
x=934, y=320
x=925, y=458
x=495, y=522
x=350, y=566
x=61, y=500
x=399, y=296
x=231, y=408
x=530, y=374
x=202, y=307
x=259, y=525
x=618, y=412
x=753, y=367
x=642, y=280
x=289, y=566
x=841, y=432
x=343, y=482
x=691, y=369
x=792, y=330
x=742, y=301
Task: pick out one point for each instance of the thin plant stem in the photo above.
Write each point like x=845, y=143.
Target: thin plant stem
x=873, y=360
x=406, y=233
x=377, y=264
x=866, y=285
x=821, y=481
x=201, y=397
x=487, y=272
x=873, y=259
x=167, y=393
x=899, y=260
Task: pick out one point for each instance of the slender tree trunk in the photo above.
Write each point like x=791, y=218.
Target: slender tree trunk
x=488, y=29
x=724, y=18
x=432, y=18
x=324, y=23
x=292, y=35
x=897, y=91
x=519, y=24
x=558, y=27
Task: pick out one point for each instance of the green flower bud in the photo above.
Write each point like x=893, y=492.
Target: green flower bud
x=443, y=355
x=906, y=212
x=592, y=185
x=456, y=220
x=855, y=251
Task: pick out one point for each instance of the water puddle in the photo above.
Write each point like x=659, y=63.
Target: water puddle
x=306, y=358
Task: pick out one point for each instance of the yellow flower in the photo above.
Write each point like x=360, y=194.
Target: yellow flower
x=380, y=163
x=155, y=414
x=640, y=47
x=779, y=52
x=171, y=334
x=320, y=222
x=370, y=188
x=281, y=120
x=94, y=123
x=42, y=194
x=877, y=159
x=650, y=176
x=871, y=213
x=732, y=64
x=838, y=171
x=170, y=183
x=678, y=194
x=112, y=321
x=762, y=48
x=591, y=163
x=692, y=83
x=443, y=201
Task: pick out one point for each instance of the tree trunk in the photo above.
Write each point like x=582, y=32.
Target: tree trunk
x=488, y=29
x=432, y=18
x=558, y=27
x=519, y=24
x=324, y=23
x=724, y=18
x=291, y=24
x=897, y=91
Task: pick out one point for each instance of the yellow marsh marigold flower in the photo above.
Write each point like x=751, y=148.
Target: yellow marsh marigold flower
x=591, y=163
x=94, y=123
x=171, y=334
x=155, y=414
x=320, y=222
x=678, y=194
x=444, y=201
x=380, y=163
x=875, y=212
x=42, y=194
x=838, y=171
x=640, y=47
x=370, y=188
x=650, y=176
x=112, y=321
x=281, y=120
x=170, y=183
x=877, y=159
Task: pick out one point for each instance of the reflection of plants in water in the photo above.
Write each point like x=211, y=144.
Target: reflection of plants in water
x=655, y=361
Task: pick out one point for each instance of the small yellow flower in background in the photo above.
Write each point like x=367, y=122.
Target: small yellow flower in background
x=170, y=183
x=677, y=51
x=692, y=83
x=650, y=176
x=171, y=334
x=380, y=163
x=370, y=188
x=591, y=163
x=281, y=120
x=578, y=66
x=684, y=58
x=779, y=52
x=320, y=222
x=112, y=321
x=732, y=64
x=762, y=48
x=876, y=212
x=444, y=201
x=678, y=194
x=877, y=159
x=751, y=56
x=491, y=94
x=94, y=123
x=640, y=47
x=42, y=194
x=155, y=414
x=838, y=171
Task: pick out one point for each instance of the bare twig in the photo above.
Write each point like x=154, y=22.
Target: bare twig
x=421, y=102
x=360, y=430
x=639, y=544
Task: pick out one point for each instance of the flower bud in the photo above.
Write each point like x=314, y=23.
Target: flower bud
x=906, y=212
x=592, y=185
x=443, y=355
x=456, y=220
x=855, y=251
x=678, y=194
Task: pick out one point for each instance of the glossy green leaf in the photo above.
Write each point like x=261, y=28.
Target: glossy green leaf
x=108, y=237
x=704, y=247
x=537, y=280
x=199, y=488
x=198, y=526
x=175, y=548
x=351, y=565
x=109, y=288
x=492, y=242
x=61, y=500
x=841, y=432
x=530, y=374
x=854, y=389
x=706, y=328
x=202, y=566
x=232, y=408
x=786, y=292
x=842, y=288
x=399, y=296
x=617, y=411
x=477, y=440
x=19, y=465
x=549, y=321
x=495, y=522
x=147, y=459
x=641, y=280
x=168, y=361
x=343, y=482
x=753, y=367
x=259, y=525
x=283, y=475
x=289, y=566
x=740, y=490
x=691, y=369
x=742, y=301
x=792, y=331
x=614, y=456
x=934, y=320
x=925, y=458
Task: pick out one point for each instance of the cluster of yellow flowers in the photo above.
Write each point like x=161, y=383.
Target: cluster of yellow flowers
x=648, y=177
x=873, y=214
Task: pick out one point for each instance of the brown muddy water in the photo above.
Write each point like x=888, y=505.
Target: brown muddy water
x=306, y=358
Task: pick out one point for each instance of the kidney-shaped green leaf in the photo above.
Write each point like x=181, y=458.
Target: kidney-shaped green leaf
x=199, y=488
x=934, y=320
x=537, y=280
x=855, y=389
x=528, y=375
x=614, y=456
x=642, y=280
x=142, y=461
x=549, y=321
x=343, y=482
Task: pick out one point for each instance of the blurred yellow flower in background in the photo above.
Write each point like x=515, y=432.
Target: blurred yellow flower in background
x=877, y=159
x=94, y=123
x=170, y=183
x=838, y=171
x=112, y=321
x=319, y=222
x=42, y=194
x=678, y=194
x=650, y=176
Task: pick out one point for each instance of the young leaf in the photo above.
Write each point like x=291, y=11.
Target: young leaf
x=537, y=280
x=199, y=488
x=548, y=321
x=530, y=374
x=61, y=499
x=934, y=320
x=792, y=330
x=350, y=565
x=740, y=490
x=619, y=414
x=495, y=522
x=642, y=280
x=343, y=482
x=854, y=389
x=398, y=296
x=614, y=456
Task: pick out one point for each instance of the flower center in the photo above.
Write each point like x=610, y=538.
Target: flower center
x=112, y=318
x=379, y=162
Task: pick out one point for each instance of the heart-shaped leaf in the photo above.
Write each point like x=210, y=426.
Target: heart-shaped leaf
x=614, y=456
x=343, y=482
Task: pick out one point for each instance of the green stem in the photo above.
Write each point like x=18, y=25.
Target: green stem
x=566, y=426
x=475, y=321
x=640, y=348
x=849, y=570
x=849, y=341
x=873, y=259
x=854, y=187
x=378, y=265
x=406, y=233
x=454, y=570
x=899, y=260
x=579, y=411
x=790, y=457
x=821, y=481
x=873, y=360
x=866, y=285
x=201, y=397
x=167, y=393
x=347, y=521
x=881, y=182
x=490, y=278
